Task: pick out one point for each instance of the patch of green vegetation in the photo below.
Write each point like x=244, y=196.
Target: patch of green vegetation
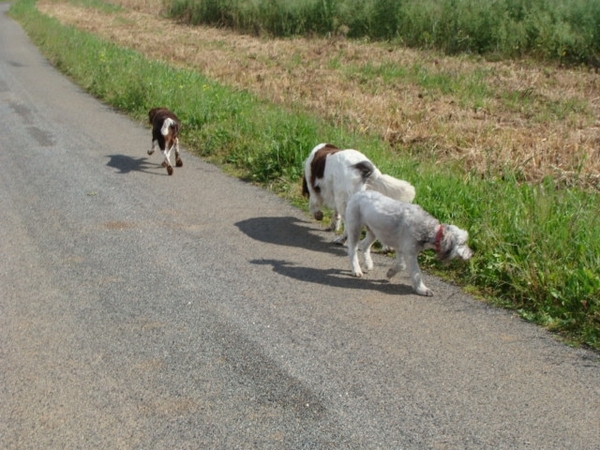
x=565, y=30
x=537, y=249
x=543, y=110
x=98, y=4
x=471, y=89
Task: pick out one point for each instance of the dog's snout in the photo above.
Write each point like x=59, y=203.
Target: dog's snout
x=466, y=253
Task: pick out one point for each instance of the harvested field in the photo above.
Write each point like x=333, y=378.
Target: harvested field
x=533, y=119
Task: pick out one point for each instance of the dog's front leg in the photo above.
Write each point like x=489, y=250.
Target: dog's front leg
x=417, y=280
x=352, y=230
x=365, y=245
x=154, y=143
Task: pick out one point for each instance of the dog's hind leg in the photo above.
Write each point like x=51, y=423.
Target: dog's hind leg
x=365, y=246
x=178, y=161
x=167, y=162
x=353, y=255
x=353, y=231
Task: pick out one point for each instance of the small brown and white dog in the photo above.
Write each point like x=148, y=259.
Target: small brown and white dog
x=165, y=132
x=405, y=227
x=332, y=175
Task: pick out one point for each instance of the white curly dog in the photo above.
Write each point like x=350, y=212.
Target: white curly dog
x=405, y=227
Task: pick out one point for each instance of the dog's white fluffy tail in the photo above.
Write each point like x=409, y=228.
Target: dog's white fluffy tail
x=391, y=187
x=166, y=124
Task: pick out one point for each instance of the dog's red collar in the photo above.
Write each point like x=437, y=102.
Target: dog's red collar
x=438, y=238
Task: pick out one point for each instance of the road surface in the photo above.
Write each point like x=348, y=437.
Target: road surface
x=142, y=311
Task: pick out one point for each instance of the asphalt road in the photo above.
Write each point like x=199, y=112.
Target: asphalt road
x=141, y=311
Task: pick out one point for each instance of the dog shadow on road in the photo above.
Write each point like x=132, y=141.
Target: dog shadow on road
x=126, y=164
x=335, y=277
x=293, y=232
x=289, y=231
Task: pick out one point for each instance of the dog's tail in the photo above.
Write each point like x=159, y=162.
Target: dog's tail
x=166, y=125
x=391, y=187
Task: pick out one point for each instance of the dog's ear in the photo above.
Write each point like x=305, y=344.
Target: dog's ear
x=448, y=243
x=446, y=246
x=366, y=169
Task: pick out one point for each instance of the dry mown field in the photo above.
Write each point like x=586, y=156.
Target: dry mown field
x=519, y=123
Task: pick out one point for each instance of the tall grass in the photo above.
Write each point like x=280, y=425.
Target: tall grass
x=565, y=30
x=537, y=247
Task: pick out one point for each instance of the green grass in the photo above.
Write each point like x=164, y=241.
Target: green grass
x=565, y=30
x=471, y=89
x=537, y=247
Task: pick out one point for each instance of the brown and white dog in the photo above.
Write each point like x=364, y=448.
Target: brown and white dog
x=165, y=131
x=332, y=175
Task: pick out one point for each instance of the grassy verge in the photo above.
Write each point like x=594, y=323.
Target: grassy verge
x=537, y=246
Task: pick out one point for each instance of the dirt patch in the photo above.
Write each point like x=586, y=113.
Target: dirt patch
x=538, y=120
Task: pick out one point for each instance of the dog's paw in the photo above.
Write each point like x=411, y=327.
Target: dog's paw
x=357, y=273
x=332, y=227
x=391, y=273
x=170, y=170
x=318, y=215
x=340, y=240
x=150, y=152
x=426, y=292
